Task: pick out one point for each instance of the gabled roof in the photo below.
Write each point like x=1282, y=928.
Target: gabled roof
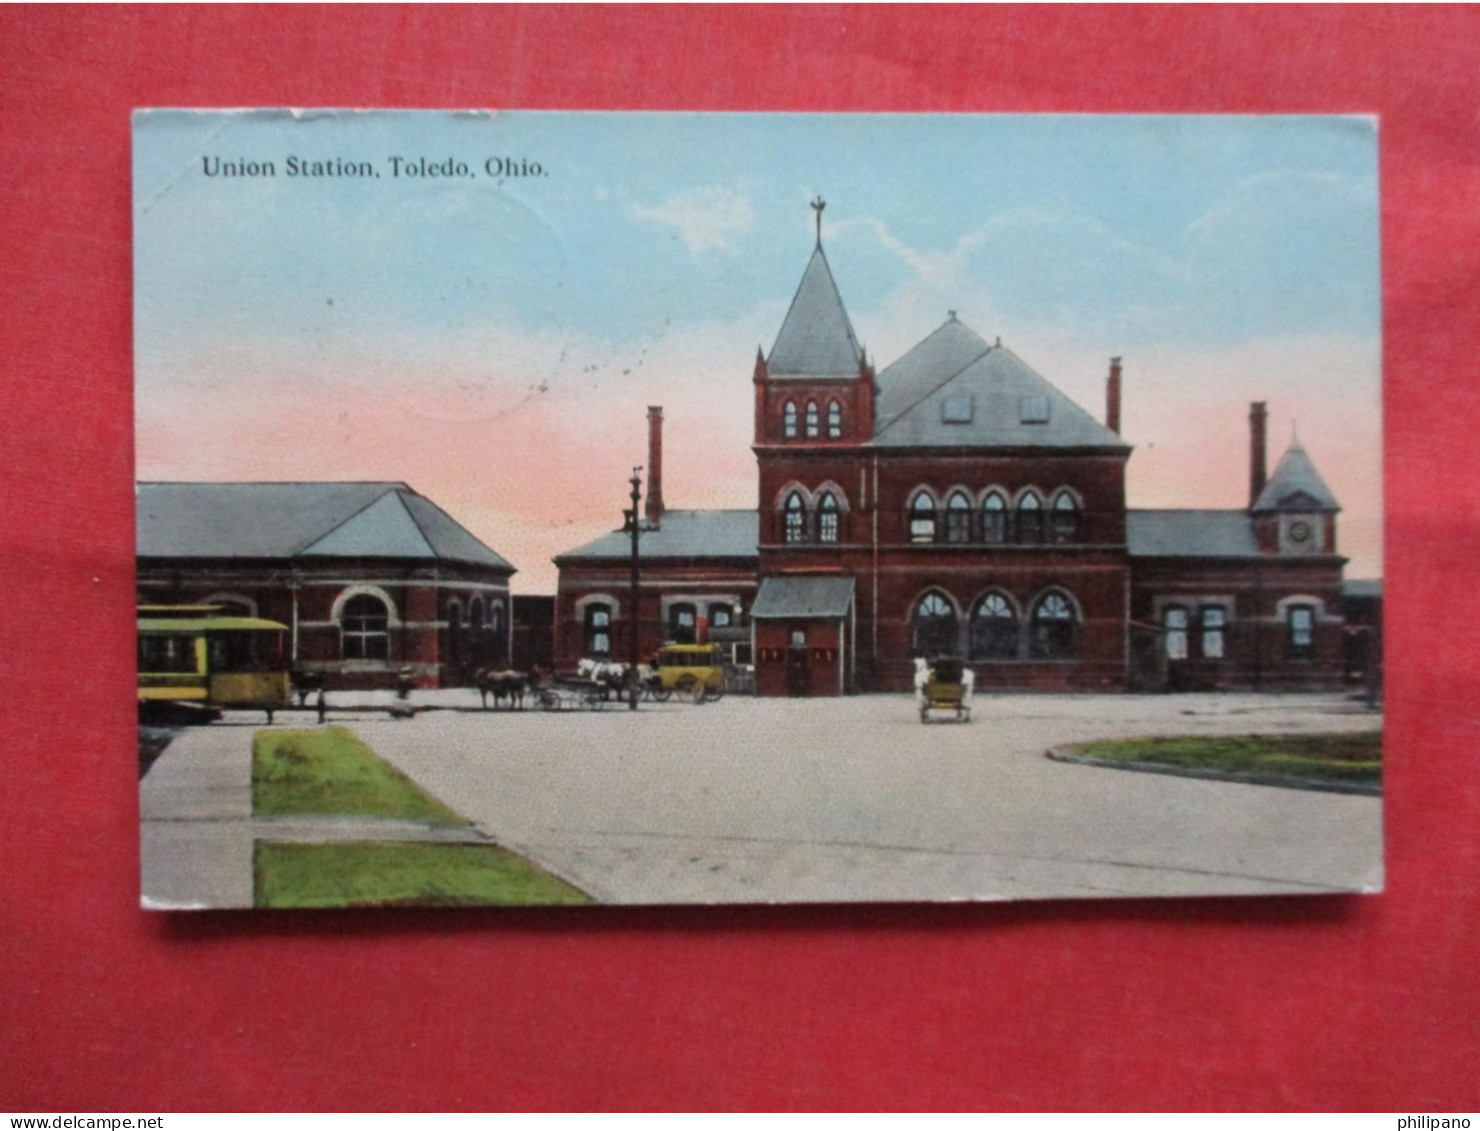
x=991, y=387
x=816, y=339
x=1295, y=476
x=795, y=597
x=301, y=520
x=1190, y=534
x=681, y=534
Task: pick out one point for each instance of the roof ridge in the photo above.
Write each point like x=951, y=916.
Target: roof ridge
x=900, y=415
x=390, y=490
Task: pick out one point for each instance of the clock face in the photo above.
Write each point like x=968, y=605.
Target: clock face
x=1300, y=532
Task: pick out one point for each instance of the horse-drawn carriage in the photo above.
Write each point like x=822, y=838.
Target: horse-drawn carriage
x=943, y=684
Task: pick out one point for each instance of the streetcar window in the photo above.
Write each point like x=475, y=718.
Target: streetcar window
x=167, y=653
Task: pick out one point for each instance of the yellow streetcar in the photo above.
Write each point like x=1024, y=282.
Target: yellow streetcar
x=191, y=655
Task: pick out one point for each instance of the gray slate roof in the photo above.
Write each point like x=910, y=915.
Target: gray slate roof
x=1190, y=534
x=1362, y=587
x=816, y=339
x=955, y=362
x=681, y=534
x=1295, y=475
x=787, y=597
x=301, y=520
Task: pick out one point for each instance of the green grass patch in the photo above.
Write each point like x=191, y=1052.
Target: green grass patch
x=1333, y=758
x=331, y=772
x=359, y=874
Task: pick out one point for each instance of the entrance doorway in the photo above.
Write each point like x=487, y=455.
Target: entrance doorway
x=798, y=665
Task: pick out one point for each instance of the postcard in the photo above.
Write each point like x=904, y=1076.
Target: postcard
x=633, y=508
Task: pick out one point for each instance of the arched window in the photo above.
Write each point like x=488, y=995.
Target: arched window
x=994, y=520
x=1174, y=625
x=683, y=624
x=794, y=519
x=922, y=518
x=364, y=629
x=933, y=627
x=811, y=420
x=1054, y=628
x=721, y=616
x=789, y=420
x=1301, y=622
x=1065, y=518
x=1030, y=520
x=827, y=518
x=598, y=631
x=475, y=616
x=1214, y=618
x=834, y=421
x=958, y=518
x=994, y=629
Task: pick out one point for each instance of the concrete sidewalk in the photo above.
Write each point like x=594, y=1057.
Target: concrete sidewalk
x=196, y=827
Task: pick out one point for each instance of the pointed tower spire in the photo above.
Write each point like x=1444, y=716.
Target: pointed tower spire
x=816, y=338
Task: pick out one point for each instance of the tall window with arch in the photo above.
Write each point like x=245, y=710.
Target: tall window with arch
x=789, y=420
x=922, y=517
x=1030, y=520
x=827, y=518
x=933, y=627
x=1174, y=629
x=1065, y=518
x=364, y=628
x=958, y=518
x=683, y=623
x=812, y=420
x=994, y=629
x=1054, y=628
x=834, y=421
x=1214, y=620
x=994, y=519
x=794, y=519
x=598, y=630
x=1300, y=622
x=478, y=640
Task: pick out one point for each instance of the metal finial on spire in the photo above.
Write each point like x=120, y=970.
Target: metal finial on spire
x=817, y=206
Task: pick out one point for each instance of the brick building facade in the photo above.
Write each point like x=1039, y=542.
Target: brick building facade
x=957, y=503
x=372, y=579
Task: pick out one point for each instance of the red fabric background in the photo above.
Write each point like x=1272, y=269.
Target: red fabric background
x=1265, y=1003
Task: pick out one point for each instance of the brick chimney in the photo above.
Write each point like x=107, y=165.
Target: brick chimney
x=1112, y=397
x=655, y=465
x=1258, y=465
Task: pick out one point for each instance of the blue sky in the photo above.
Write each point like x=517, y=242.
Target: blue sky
x=1226, y=258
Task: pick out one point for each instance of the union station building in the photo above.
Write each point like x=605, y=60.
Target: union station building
x=956, y=503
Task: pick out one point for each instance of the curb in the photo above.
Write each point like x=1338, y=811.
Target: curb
x=1066, y=754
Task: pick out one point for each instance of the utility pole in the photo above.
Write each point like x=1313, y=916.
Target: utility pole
x=633, y=524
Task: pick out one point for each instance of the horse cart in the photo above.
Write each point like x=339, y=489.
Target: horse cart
x=944, y=685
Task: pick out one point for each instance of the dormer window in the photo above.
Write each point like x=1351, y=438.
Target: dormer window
x=789, y=421
x=812, y=425
x=958, y=408
x=1033, y=408
x=834, y=421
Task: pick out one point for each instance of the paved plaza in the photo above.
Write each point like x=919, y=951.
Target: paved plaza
x=748, y=800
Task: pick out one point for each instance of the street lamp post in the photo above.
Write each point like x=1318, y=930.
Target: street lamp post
x=634, y=526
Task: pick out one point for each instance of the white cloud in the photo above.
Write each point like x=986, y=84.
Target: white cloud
x=707, y=219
